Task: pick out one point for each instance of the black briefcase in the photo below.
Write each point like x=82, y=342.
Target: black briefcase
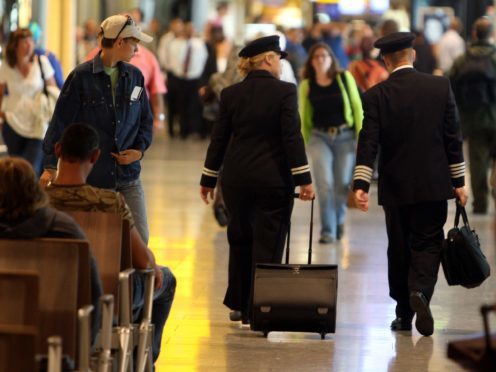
x=293, y=297
x=461, y=257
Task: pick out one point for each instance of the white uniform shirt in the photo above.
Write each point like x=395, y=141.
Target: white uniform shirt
x=163, y=50
x=18, y=99
x=198, y=57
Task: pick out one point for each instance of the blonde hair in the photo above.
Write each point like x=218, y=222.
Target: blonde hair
x=20, y=194
x=248, y=64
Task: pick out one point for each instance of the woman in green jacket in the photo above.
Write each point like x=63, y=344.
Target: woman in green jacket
x=331, y=114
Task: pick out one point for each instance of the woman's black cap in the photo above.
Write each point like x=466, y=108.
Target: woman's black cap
x=262, y=45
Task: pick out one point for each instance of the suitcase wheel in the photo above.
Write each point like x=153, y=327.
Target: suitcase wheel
x=322, y=335
x=265, y=333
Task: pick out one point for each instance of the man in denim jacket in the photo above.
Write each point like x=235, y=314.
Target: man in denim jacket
x=108, y=93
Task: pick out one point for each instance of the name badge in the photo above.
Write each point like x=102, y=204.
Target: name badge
x=136, y=94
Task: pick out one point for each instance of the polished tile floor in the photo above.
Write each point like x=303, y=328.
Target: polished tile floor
x=198, y=335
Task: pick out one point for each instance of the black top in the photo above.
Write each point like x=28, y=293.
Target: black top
x=413, y=118
x=259, y=121
x=328, y=106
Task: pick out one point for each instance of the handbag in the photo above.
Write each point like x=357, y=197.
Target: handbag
x=461, y=255
x=44, y=106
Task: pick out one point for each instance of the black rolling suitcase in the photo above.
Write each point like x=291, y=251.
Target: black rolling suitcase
x=293, y=297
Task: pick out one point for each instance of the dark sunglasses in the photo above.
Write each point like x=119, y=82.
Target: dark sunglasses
x=129, y=22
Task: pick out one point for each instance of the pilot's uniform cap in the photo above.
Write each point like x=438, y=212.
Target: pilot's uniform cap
x=395, y=42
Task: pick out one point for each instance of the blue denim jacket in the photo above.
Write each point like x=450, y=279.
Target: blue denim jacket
x=87, y=98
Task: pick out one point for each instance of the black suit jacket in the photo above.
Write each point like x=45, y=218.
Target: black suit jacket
x=257, y=136
x=413, y=118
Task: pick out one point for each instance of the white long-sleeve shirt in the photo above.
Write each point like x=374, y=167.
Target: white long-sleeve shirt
x=163, y=50
x=178, y=50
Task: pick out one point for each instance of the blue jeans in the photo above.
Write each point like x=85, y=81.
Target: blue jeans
x=135, y=198
x=333, y=159
x=162, y=303
x=26, y=148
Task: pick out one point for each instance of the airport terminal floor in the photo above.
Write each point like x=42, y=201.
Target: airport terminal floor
x=199, y=336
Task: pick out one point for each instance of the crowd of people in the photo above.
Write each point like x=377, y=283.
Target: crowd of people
x=325, y=92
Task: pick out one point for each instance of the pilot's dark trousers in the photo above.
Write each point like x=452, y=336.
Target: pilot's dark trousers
x=415, y=233
x=257, y=229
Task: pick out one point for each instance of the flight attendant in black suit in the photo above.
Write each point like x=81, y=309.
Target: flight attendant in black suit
x=413, y=118
x=258, y=140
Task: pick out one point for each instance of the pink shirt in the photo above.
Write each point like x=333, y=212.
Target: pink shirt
x=146, y=62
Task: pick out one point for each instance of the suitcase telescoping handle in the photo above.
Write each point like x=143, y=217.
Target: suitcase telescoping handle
x=311, y=234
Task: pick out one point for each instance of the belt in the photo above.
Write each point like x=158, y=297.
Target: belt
x=334, y=131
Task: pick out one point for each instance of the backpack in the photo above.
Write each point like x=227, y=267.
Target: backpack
x=475, y=83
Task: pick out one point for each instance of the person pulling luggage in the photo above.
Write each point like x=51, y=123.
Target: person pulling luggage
x=263, y=163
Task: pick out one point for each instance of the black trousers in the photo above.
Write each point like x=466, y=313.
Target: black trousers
x=190, y=107
x=172, y=102
x=481, y=147
x=257, y=229
x=415, y=233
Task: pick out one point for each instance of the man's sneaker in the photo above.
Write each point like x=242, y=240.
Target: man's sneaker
x=326, y=239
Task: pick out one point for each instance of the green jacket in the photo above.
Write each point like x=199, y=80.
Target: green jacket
x=483, y=117
x=353, y=112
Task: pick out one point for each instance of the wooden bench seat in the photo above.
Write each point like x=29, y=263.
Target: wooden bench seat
x=63, y=267
x=109, y=237
x=19, y=316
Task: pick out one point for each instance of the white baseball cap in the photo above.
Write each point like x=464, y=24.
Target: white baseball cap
x=123, y=26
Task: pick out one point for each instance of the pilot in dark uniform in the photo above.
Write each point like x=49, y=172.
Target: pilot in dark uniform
x=257, y=138
x=413, y=118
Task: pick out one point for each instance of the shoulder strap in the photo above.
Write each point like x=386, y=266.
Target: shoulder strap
x=42, y=76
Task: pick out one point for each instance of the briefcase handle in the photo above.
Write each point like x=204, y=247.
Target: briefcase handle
x=460, y=210
x=296, y=196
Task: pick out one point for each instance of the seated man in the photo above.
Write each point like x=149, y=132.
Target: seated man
x=77, y=151
x=25, y=214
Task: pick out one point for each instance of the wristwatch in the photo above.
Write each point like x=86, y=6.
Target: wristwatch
x=160, y=117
